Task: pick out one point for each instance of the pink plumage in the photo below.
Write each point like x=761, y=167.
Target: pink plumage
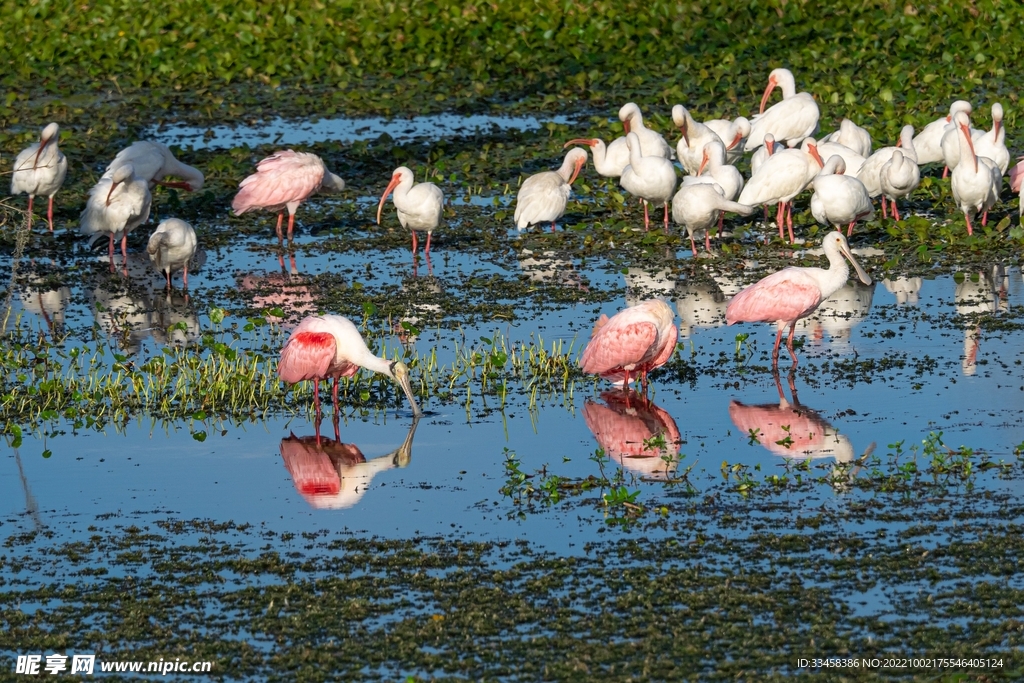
x=787, y=295
x=624, y=427
x=1017, y=175
x=631, y=343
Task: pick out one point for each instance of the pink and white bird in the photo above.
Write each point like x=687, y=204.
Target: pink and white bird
x=543, y=197
x=171, y=247
x=40, y=170
x=780, y=179
x=839, y=199
x=330, y=346
x=652, y=144
x=154, y=161
x=283, y=181
x=690, y=148
x=732, y=133
x=852, y=136
x=626, y=427
x=793, y=293
x=899, y=177
x=928, y=143
x=1016, y=178
x=609, y=160
x=698, y=206
x=652, y=179
x=631, y=343
x=870, y=171
x=419, y=206
x=116, y=206
x=992, y=143
x=975, y=181
x=791, y=120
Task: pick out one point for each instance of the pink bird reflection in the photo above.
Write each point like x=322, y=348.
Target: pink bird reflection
x=626, y=427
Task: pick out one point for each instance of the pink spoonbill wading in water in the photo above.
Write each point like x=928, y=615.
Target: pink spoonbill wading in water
x=793, y=293
x=631, y=343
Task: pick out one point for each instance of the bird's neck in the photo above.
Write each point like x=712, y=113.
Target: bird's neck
x=565, y=172
x=836, y=276
x=375, y=363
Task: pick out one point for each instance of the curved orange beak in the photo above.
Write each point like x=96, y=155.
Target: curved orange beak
x=178, y=184
x=589, y=142
x=576, y=171
x=735, y=141
x=995, y=127
x=113, y=186
x=814, y=153
x=970, y=143
x=625, y=127
x=683, y=129
x=39, y=152
x=703, y=163
x=395, y=179
x=767, y=93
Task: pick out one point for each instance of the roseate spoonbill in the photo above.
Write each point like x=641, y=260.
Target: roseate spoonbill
x=791, y=120
x=171, y=247
x=712, y=161
x=153, y=161
x=793, y=293
x=839, y=199
x=331, y=475
x=928, y=143
x=690, y=148
x=870, y=172
x=283, y=181
x=329, y=346
x=631, y=343
x=762, y=153
x=626, y=427
x=782, y=177
x=608, y=160
x=975, y=181
x=992, y=143
x=699, y=206
x=40, y=170
x=652, y=179
x=852, y=160
x=542, y=198
x=732, y=134
x=652, y=144
x=852, y=136
x=116, y=206
x=419, y=206
x=1016, y=176
x=898, y=178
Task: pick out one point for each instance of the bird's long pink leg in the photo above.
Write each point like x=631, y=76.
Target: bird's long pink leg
x=337, y=429
x=984, y=217
x=552, y=226
x=779, y=218
x=789, y=342
x=184, y=276
x=945, y=171
x=970, y=230
x=775, y=351
x=895, y=211
x=707, y=241
x=884, y=214
x=124, y=248
x=693, y=245
x=334, y=397
x=625, y=385
x=415, y=244
x=30, y=198
x=49, y=213
x=666, y=218
x=647, y=220
x=316, y=399
x=789, y=221
x=849, y=228
x=167, y=274
x=426, y=250
x=111, y=250
x=291, y=226
x=280, y=218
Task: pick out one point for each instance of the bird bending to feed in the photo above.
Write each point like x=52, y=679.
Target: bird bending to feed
x=116, y=206
x=791, y=120
x=899, y=177
x=329, y=346
x=782, y=177
x=171, y=247
x=698, y=206
x=283, y=181
x=992, y=143
x=976, y=181
x=542, y=198
x=839, y=199
x=153, y=161
x=793, y=293
x=631, y=343
x=652, y=144
x=928, y=143
x=652, y=179
x=853, y=136
x=609, y=160
x=40, y=170
x=419, y=206
x=690, y=148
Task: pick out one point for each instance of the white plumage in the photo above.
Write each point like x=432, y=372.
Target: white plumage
x=419, y=206
x=992, y=144
x=651, y=144
x=927, y=143
x=39, y=170
x=690, y=148
x=853, y=136
x=543, y=197
x=839, y=199
x=872, y=168
x=975, y=181
x=116, y=206
x=899, y=177
x=699, y=206
x=791, y=120
x=154, y=161
x=171, y=247
x=652, y=179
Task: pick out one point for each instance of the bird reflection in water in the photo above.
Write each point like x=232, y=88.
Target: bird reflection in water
x=332, y=475
x=287, y=289
x=977, y=296
x=791, y=430
x=634, y=432
x=838, y=315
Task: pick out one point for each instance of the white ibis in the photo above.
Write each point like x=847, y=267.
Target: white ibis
x=690, y=147
x=899, y=177
x=759, y=156
x=609, y=160
x=153, y=161
x=791, y=120
x=652, y=179
x=927, y=143
x=419, y=205
x=116, y=206
x=283, y=181
x=852, y=136
x=732, y=133
x=870, y=172
x=839, y=199
x=543, y=197
x=950, y=144
x=975, y=180
x=713, y=169
x=992, y=143
x=852, y=159
x=171, y=247
x=782, y=177
x=651, y=144
x=699, y=206
x=40, y=170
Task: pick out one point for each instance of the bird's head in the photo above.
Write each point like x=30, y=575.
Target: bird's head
x=773, y=81
x=400, y=373
x=628, y=112
x=50, y=134
x=122, y=175
x=589, y=142
x=399, y=175
x=681, y=117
